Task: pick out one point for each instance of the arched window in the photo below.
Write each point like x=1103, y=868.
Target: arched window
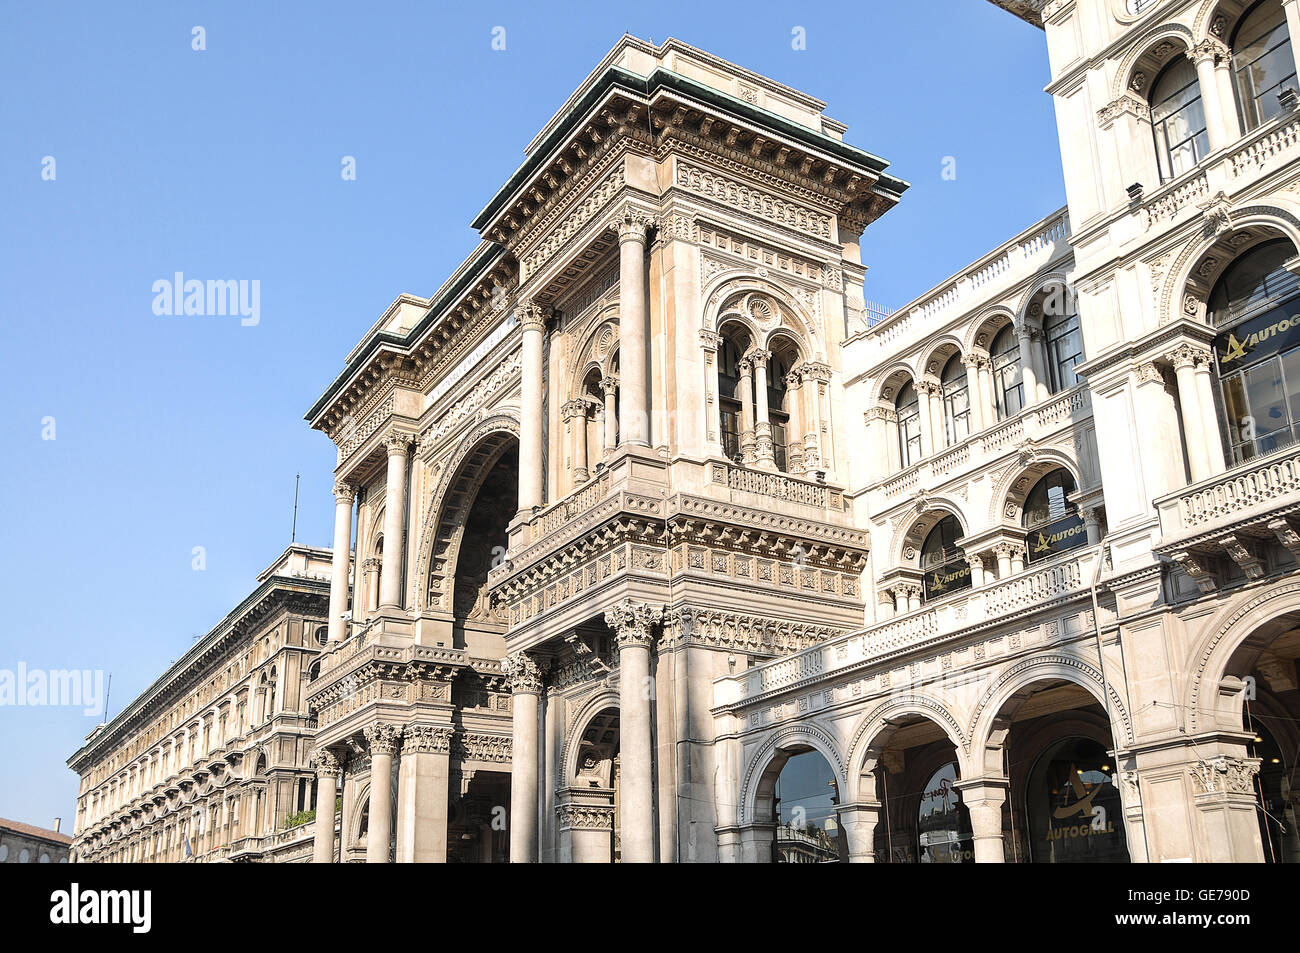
x=1074, y=808
x=1008, y=392
x=1052, y=520
x=1178, y=119
x=943, y=828
x=1064, y=349
x=1257, y=350
x=1262, y=63
x=956, y=400
x=778, y=415
x=944, y=564
x=729, y=398
x=908, y=407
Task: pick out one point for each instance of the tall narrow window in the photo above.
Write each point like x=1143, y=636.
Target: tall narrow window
x=1008, y=392
x=942, y=560
x=908, y=407
x=1052, y=520
x=1178, y=119
x=1064, y=349
x=1262, y=63
x=1257, y=351
x=956, y=400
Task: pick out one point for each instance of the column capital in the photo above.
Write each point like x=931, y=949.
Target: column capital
x=759, y=356
x=794, y=380
x=574, y=408
x=1188, y=354
x=326, y=762
x=632, y=225
x=633, y=622
x=1224, y=775
x=525, y=672
x=427, y=739
x=711, y=340
x=531, y=317
x=816, y=371
x=744, y=367
x=1209, y=49
x=879, y=412
x=398, y=443
x=344, y=492
x=383, y=737
x=608, y=385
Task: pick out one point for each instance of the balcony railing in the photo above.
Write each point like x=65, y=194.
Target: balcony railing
x=1243, y=494
x=1057, y=412
x=1040, y=585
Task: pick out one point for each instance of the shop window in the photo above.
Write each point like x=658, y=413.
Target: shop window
x=1052, y=519
x=1073, y=806
x=942, y=561
x=943, y=827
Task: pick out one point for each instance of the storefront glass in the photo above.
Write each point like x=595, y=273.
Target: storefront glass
x=1074, y=807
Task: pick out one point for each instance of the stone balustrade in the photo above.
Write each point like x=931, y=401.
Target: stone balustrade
x=1243, y=495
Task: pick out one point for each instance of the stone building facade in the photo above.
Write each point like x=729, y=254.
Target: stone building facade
x=212, y=761
x=646, y=503
x=28, y=844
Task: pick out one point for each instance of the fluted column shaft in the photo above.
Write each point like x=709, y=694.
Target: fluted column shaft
x=390, y=585
x=634, y=331
x=633, y=624
x=344, y=494
x=533, y=322
x=526, y=688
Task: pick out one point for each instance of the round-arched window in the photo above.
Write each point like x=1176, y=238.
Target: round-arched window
x=956, y=400
x=24, y=855
x=908, y=407
x=322, y=634
x=1178, y=119
x=943, y=828
x=1051, y=516
x=4, y=853
x=1257, y=350
x=944, y=564
x=1262, y=63
x=1064, y=349
x=1073, y=805
x=1008, y=393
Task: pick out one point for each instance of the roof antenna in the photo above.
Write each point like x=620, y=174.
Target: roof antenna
x=293, y=535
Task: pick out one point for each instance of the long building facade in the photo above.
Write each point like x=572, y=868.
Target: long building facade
x=668, y=547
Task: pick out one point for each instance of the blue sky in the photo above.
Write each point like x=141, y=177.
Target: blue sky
x=176, y=432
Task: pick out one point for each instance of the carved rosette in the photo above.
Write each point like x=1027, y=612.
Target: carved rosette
x=633, y=623
x=427, y=739
x=1224, y=775
x=326, y=762
x=382, y=737
x=524, y=673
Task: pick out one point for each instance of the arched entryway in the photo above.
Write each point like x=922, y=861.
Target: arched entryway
x=588, y=806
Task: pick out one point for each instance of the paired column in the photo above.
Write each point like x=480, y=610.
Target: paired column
x=575, y=413
x=390, y=578
x=817, y=450
x=633, y=624
x=1028, y=338
x=634, y=329
x=765, y=457
x=931, y=439
x=1196, y=403
x=984, y=798
x=1205, y=54
x=525, y=675
x=610, y=389
x=327, y=774
x=979, y=411
x=383, y=740
x=794, y=439
x=532, y=319
x=344, y=494
x=748, y=444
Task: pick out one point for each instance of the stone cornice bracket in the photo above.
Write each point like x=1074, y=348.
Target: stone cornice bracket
x=1128, y=103
x=383, y=738
x=524, y=672
x=633, y=622
x=531, y=317
x=326, y=762
x=1217, y=214
x=427, y=739
x=344, y=492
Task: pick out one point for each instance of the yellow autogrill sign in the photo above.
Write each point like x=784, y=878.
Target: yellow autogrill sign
x=1257, y=339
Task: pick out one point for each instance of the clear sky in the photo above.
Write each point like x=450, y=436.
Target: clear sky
x=177, y=432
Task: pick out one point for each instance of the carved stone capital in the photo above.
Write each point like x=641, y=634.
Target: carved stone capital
x=344, y=492
x=710, y=340
x=531, y=317
x=744, y=367
x=326, y=762
x=634, y=622
x=574, y=408
x=524, y=672
x=632, y=225
x=427, y=739
x=383, y=738
x=1188, y=355
x=816, y=371
x=608, y=385
x=1224, y=775
x=760, y=357
x=398, y=443
x=1209, y=49
x=585, y=817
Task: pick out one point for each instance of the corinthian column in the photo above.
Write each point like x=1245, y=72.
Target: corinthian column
x=533, y=321
x=575, y=412
x=794, y=438
x=633, y=624
x=327, y=773
x=745, y=369
x=383, y=740
x=763, y=451
x=609, y=388
x=525, y=677
x=634, y=330
x=1198, y=428
x=390, y=585
x=344, y=493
